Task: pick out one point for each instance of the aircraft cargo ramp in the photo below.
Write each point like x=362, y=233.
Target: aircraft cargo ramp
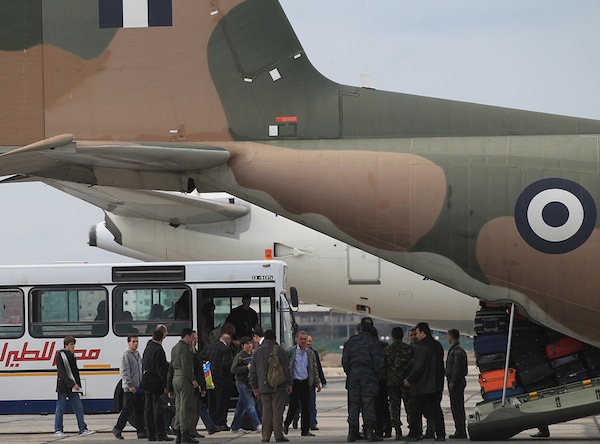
x=491, y=421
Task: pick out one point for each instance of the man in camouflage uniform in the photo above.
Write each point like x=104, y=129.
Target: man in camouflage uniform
x=362, y=360
x=398, y=359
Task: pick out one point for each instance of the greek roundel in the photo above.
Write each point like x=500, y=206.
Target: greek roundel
x=134, y=13
x=555, y=215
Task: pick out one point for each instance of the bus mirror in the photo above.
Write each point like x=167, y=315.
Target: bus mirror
x=294, y=297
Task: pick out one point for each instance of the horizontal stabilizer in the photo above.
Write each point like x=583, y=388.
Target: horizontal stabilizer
x=171, y=207
x=61, y=157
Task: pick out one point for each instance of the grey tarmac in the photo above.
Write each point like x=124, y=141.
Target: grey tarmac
x=36, y=429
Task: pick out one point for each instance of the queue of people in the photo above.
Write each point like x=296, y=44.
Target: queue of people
x=169, y=397
x=412, y=374
x=268, y=377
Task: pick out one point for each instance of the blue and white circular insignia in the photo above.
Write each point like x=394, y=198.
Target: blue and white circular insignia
x=555, y=215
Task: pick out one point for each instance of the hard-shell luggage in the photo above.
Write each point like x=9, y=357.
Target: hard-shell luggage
x=528, y=337
x=492, y=361
x=591, y=359
x=491, y=321
x=571, y=373
x=555, y=363
x=564, y=347
x=494, y=379
x=545, y=383
x=492, y=343
x=553, y=335
x=531, y=365
x=497, y=394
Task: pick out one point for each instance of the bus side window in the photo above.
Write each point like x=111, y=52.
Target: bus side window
x=11, y=314
x=150, y=306
x=57, y=312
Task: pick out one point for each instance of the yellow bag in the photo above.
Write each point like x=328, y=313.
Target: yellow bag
x=210, y=385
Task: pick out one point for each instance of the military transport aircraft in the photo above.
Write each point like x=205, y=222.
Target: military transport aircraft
x=219, y=96
x=171, y=226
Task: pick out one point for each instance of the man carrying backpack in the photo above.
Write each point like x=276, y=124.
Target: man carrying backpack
x=271, y=395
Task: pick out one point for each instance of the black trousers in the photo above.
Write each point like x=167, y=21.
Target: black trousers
x=218, y=403
x=300, y=394
x=132, y=401
x=429, y=405
x=155, y=425
x=457, y=405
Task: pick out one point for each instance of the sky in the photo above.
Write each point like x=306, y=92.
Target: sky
x=534, y=55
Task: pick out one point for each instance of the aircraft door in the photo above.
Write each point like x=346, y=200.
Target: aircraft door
x=363, y=268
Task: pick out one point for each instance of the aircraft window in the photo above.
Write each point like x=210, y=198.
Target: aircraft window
x=138, y=310
x=58, y=312
x=11, y=314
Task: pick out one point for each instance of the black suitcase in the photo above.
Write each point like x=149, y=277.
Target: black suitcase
x=545, y=383
x=564, y=361
x=491, y=321
x=571, y=373
x=494, y=361
x=531, y=365
x=553, y=335
x=528, y=337
x=591, y=359
x=488, y=344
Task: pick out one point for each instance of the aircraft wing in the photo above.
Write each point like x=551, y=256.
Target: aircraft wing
x=127, y=164
x=171, y=207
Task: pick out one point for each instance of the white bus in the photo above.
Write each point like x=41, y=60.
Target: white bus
x=101, y=304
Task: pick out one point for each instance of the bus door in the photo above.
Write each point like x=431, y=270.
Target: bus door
x=215, y=304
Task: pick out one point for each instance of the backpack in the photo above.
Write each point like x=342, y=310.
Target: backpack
x=275, y=375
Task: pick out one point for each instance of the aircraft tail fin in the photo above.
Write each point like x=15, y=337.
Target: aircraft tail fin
x=270, y=90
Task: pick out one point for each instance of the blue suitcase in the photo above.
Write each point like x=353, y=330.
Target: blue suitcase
x=490, y=344
x=497, y=394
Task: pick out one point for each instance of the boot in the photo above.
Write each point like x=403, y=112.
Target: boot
x=177, y=436
x=352, y=432
x=372, y=436
x=398, y=433
x=185, y=437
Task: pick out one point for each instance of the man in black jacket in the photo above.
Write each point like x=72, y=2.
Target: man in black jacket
x=156, y=365
x=456, y=372
x=68, y=385
x=426, y=382
x=220, y=355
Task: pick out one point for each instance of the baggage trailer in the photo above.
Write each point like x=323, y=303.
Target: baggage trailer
x=493, y=421
x=555, y=383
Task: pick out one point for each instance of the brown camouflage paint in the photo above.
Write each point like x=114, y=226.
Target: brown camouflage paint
x=564, y=286
x=395, y=198
x=153, y=81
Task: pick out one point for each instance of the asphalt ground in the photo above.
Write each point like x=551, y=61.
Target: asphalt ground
x=332, y=415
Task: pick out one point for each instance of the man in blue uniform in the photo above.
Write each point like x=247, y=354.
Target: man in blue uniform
x=363, y=363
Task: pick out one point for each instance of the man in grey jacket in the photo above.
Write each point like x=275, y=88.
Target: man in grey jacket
x=272, y=398
x=131, y=377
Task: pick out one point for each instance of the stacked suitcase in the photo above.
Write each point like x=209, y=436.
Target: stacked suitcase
x=490, y=342
x=540, y=358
